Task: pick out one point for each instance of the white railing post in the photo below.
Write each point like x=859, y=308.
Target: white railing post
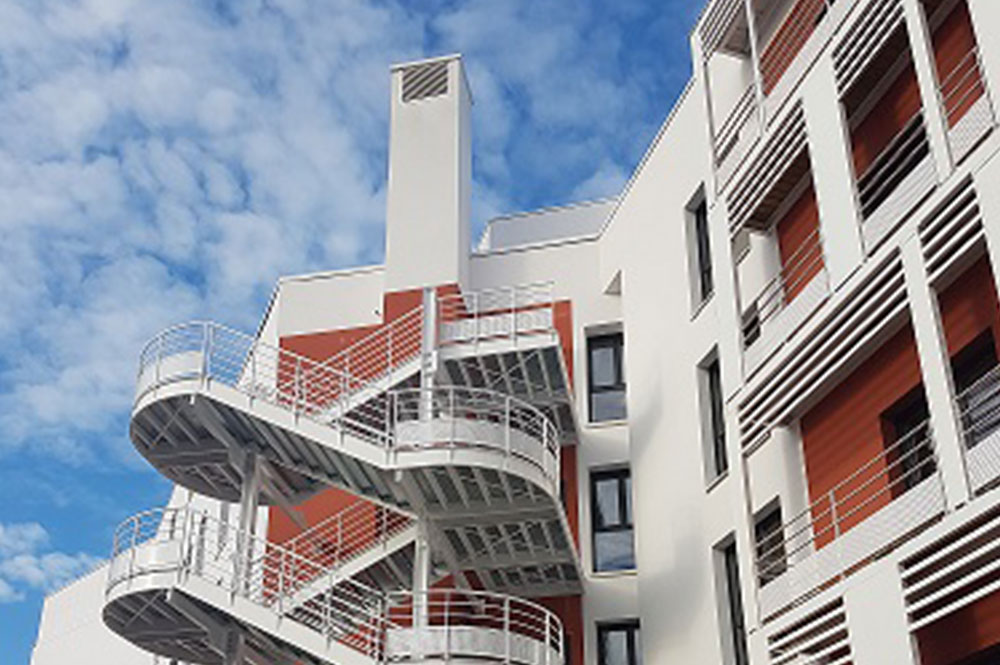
x=506, y=630
x=545, y=640
x=297, y=386
x=447, y=627
x=834, y=520
x=206, y=350
x=513, y=313
x=506, y=429
x=253, y=368
x=160, y=341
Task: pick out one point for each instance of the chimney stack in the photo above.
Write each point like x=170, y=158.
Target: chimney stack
x=430, y=169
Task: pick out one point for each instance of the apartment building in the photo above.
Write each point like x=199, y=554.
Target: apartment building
x=747, y=412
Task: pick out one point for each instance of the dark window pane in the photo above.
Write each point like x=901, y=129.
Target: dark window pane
x=606, y=497
x=613, y=550
x=705, y=285
x=615, y=648
x=618, y=644
x=609, y=405
x=606, y=377
x=737, y=624
x=628, y=500
x=770, y=542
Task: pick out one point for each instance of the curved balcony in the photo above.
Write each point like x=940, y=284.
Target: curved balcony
x=181, y=583
x=466, y=457
x=457, y=624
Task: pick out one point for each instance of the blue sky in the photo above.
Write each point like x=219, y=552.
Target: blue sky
x=162, y=161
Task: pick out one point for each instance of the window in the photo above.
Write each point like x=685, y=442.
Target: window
x=703, y=250
x=713, y=416
x=611, y=509
x=976, y=386
x=769, y=538
x=731, y=614
x=905, y=427
x=618, y=643
x=606, y=377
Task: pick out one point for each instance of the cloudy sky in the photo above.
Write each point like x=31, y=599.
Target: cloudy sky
x=162, y=160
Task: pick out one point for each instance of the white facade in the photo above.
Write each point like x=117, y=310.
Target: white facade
x=901, y=211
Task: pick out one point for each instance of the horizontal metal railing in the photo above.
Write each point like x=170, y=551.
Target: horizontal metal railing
x=213, y=353
x=805, y=263
x=788, y=39
x=962, y=86
x=348, y=534
x=979, y=414
x=877, y=483
x=197, y=544
x=891, y=166
x=184, y=542
x=436, y=624
x=505, y=312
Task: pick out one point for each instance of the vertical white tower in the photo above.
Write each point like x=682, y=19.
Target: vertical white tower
x=430, y=168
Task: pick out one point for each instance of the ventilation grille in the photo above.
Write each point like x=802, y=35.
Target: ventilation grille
x=955, y=228
x=718, y=19
x=821, y=637
x=953, y=572
x=749, y=202
x=862, y=42
x=424, y=81
x=846, y=333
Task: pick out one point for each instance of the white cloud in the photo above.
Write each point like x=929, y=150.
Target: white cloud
x=23, y=563
x=165, y=161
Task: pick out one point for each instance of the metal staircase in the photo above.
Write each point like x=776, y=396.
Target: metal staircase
x=452, y=415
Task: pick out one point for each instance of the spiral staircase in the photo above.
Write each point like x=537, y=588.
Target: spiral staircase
x=448, y=421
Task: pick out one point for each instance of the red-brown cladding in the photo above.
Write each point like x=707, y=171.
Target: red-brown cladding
x=969, y=306
x=844, y=431
x=957, y=68
x=798, y=244
x=897, y=106
x=960, y=634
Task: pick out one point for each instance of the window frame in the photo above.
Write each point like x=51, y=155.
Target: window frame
x=702, y=250
x=614, y=340
x=770, y=513
x=713, y=417
x=631, y=628
x=729, y=592
x=626, y=518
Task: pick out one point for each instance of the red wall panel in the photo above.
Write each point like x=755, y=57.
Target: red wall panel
x=844, y=431
x=958, y=72
x=962, y=633
x=798, y=244
x=897, y=106
x=969, y=306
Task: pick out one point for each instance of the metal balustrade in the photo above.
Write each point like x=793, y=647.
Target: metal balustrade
x=348, y=534
x=801, y=267
x=456, y=417
x=873, y=509
x=968, y=112
x=177, y=544
x=893, y=164
x=188, y=542
x=499, y=313
x=788, y=39
x=979, y=409
x=451, y=624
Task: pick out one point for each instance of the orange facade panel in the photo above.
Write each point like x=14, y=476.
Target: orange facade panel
x=788, y=40
x=889, y=116
x=798, y=244
x=969, y=307
x=844, y=432
x=957, y=65
x=970, y=630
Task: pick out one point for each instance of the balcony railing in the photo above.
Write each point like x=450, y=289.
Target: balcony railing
x=967, y=108
x=348, y=534
x=491, y=314
x=870, y=511
x=788, y=39
x=194, y=543
x=979, y=408
x=401, y=421
x=446, y=624
x=896, y=180
x=175, y=544
x=786, y=301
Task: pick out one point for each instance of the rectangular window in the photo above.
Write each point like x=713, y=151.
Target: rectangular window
x=728, y=571
x=703, y=249
x=714, y=417
x=611, y=510
x=606, y=377
x=618, y=643
x=770, y=542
